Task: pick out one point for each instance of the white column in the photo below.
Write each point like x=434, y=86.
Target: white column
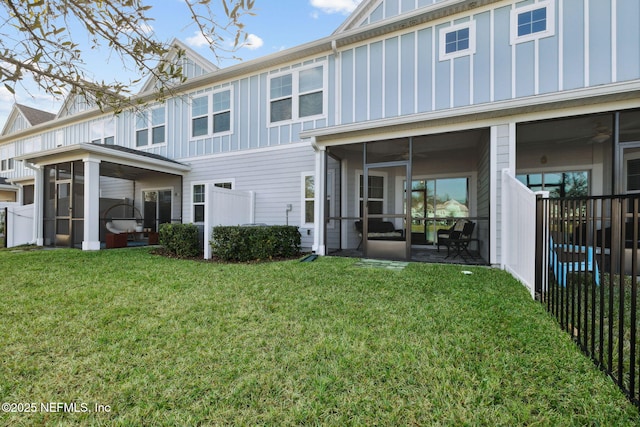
x=320, y=180
x=38, y=205
x=91, y=240
x=503, y=156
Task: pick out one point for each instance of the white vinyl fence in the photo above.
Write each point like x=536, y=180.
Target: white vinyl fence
x=18, y=224
x=226, y=207
x=519, y=230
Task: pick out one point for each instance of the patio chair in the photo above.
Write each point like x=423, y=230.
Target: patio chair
x=445, y=233
x=566, y=258
x=459, y=240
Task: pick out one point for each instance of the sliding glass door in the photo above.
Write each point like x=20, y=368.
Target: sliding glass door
x=157, y=208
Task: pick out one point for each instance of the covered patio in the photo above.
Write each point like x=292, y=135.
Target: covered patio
x=401, y=193
x=80, y=184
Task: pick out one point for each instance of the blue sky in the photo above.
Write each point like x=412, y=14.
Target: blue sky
x=277, y=25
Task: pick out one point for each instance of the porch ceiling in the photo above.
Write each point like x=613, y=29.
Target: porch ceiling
x=424, y=144
x=116, y=161
x=589, y=129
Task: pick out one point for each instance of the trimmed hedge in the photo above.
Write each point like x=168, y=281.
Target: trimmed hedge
x=247, y=243
x=180, y=239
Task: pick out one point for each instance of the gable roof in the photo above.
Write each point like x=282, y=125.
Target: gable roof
x=189, y=55
x=364, y=8
x=73, y=100
x=371, y=12
x=32, y=116
x=35, y=116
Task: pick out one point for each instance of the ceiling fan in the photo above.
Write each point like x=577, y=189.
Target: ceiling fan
x=599, y=135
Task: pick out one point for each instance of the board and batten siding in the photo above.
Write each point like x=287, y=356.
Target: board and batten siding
x=390, y=8
x=594, y=43
x=250, y=122
x=274, y=174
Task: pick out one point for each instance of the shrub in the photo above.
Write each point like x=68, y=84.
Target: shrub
x=180, y=239
x=242, y=243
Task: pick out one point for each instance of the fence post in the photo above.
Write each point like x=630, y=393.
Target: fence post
x=539, y=252
x=5, y=229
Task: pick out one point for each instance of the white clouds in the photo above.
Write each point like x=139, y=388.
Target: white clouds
x=336, y=6
x=253, y=42
x=198, y=40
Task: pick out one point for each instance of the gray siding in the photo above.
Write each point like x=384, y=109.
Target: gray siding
x=274, y=175
x=484, y=195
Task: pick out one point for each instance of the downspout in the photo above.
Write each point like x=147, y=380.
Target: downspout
x=319, y=198
x=338, y=82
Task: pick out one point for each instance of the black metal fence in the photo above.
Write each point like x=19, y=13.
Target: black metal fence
x=587, y=268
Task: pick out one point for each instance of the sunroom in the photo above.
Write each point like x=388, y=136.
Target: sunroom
x=388, y=198
x=84, y=187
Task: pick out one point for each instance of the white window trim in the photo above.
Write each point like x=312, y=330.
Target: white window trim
x=211, y=113
x=206, y=184
x=101, y=125
x=194, y=203
x=7, y=154
x=471, y=25
x=295, y=95
x=148, y=113
x=304, y=199
x=551, y=22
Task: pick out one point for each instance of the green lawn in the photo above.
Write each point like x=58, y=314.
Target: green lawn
x=172, y=342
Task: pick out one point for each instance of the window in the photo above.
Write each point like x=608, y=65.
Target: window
x=309, y=193
x=558, y=184
x=32, y=145
x=199, y=116
x=633, y=175
x=532, y=22
x=375, y=196
x=198, y=203
x=310, y=90
x=103, y=131
x=28, y=192
x=150, y=127
x=457, y=40
x=198, y=197
x=220, y=102
x=281, y=98
x=433, y=204
x=222, y=112
x=6, y=158
x=297, y=95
